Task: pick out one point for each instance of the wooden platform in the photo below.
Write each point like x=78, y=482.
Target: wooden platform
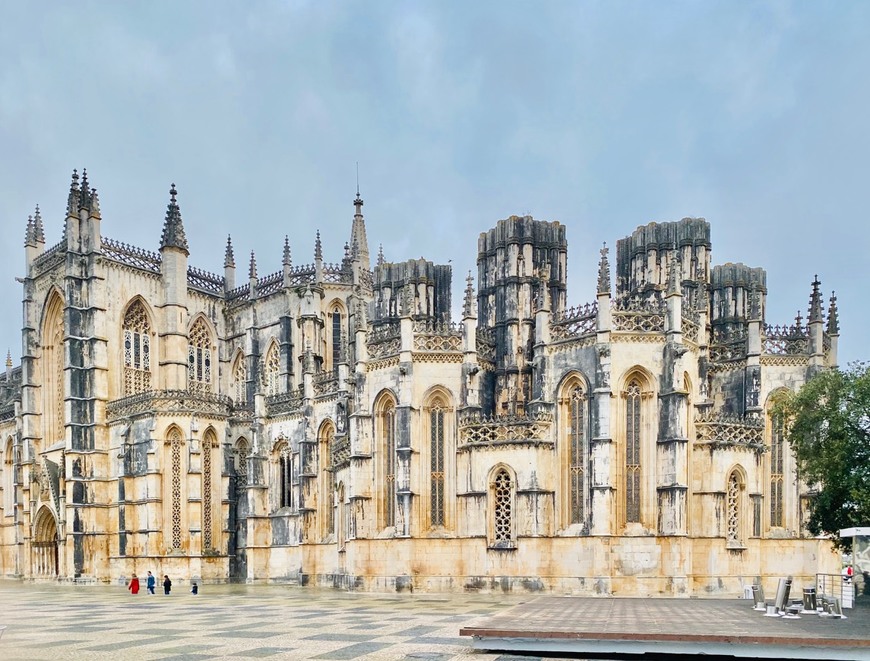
x=729, y=627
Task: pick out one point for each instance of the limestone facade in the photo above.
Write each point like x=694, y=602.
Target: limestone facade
x=332, y=424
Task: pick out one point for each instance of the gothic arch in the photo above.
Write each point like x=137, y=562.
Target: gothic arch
x=211, y=491
x=437, y=448
x=201, y=354
x=574, y=449
x=53, y=363
x=44, y=548
x=326, y=490
x=239, y=377
x=241, y=452
x=336, y=332
x=636, y=425
x=175, y=491
x=8, y=479
x=776, y=463
x=137, y=346
x=272, y=368
x=385, y=447
x=282, y=473
x=501, y=507
x=735, y=506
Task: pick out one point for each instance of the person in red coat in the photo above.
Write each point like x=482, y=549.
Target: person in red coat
x=134, y=584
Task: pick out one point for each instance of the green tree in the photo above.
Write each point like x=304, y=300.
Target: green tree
x=828, y=429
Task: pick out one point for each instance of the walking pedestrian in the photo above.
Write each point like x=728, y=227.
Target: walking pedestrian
x=133, y=587
x=167, y=584
x=194, y=588
x=150, y=583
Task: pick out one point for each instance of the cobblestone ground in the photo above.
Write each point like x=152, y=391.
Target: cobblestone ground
x=45, y=621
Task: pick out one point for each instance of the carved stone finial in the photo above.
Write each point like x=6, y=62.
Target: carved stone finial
x=252, y=268
x=30, y=233
x=833, y=316
x=468, y=303
x=39, y=231
x=74, y=200
x=173, y=229
x=603, y=271
x=380, y=254
x=815, y=311
x=798, y=322
x=318, y=248
x=287, y=260
x=8, y=358
x=229, y=257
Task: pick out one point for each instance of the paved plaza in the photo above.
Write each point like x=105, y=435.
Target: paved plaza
x=47, y=621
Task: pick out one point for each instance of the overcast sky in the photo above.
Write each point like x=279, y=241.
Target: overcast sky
x=601, y=115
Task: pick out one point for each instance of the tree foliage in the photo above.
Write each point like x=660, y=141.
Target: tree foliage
x=828, y=428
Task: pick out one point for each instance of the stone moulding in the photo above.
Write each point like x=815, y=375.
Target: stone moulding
x=169, y=401
x=284, y=402
x=729, y=430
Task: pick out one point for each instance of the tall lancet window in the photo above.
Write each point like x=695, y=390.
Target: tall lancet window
x=776, y=472
x=240, y=381
x=579, y=450
x=199, y=358
x=327, y=483
x=734, y=507
x=336, y=337
x=272, y=370
x=176, y=451
x=633, y=452
x=387, y=437
x=53, y=370
x=137, y=350
x=209, y=445
x=436, y=464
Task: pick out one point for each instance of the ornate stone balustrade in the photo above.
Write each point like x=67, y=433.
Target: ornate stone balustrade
x=341, y=453
x=300, y=275
x=336, y=273
x=7, y=412
x=475, y=430
x=432, y=335
x=639, y=314
x=208, y=282
x=575, y=322
x=128, y=255
x=690, y=329
x=285, y=402
x=168, y=401
x=325, y=383
x=384, y=340
x=785, y=340
x=724, y=429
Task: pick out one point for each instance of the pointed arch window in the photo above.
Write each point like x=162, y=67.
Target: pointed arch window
x=53, y=370
x=176, y=447
x=336, y=337
x=199, y=358
x=137, y=350
x=578, y=448
x=284, y=474
x=733, y=510
x=387, y=434
x=436, y=464
x=502, y=494
x=777, y=450
x=240, y=381
x=242, y=453
x=8, y=482
x=327, y=499
x=633, y=465
x=209, y=445
x=272, y=370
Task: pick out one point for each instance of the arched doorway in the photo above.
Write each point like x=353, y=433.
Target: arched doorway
x=44, y=546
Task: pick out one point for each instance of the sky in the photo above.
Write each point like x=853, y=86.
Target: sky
x=602, y=115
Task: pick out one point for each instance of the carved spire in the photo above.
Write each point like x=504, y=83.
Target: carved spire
x=173, y=229
x=252, y=269
x=468, y=304
x=287, y=260
x=8, y=358
x=74, y=200
x=604, y=272
x=29, y=233
x=229, y=258
x=815, y=312
x=358, y=242
x=318, y=248
x=380, y=254
x=346, y=259
x=833, y=316
x=39, y=231
x=798, y=322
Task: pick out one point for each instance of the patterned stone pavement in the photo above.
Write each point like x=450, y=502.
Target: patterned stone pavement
x=47, y=621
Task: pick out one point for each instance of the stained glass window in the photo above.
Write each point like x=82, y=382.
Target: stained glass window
x=632, y=452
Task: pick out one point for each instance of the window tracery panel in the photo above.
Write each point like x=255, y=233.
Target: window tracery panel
x=137, y=350
x=503, y=508
x=207, y=449
x=336, y=338
x=733, y=507
x=272, y=371
x=388, y=445
x=199, y=358
x=176, y=445
x=240, y=378
x=436, y=467
x=579, y=453
x=633, y=464
x=776, y=472
x=328, y=507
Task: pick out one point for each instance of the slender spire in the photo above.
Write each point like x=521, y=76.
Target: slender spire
x=229, y=258
x=318, y=248
x=346, y=259
x=30, y=233
x=74, y=200
x=287, y=261
x=798, y=322
x=8, y=358
x=815, y=312
x=358, y=242
x=173, y=229
x=380, y=254
x=39, y=231
x=833, y=316
x=468, y=304
x=252, y=269
x=94, y=203
x=604, y=271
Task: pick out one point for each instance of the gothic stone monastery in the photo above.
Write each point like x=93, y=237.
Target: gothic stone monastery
x=330, y=424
